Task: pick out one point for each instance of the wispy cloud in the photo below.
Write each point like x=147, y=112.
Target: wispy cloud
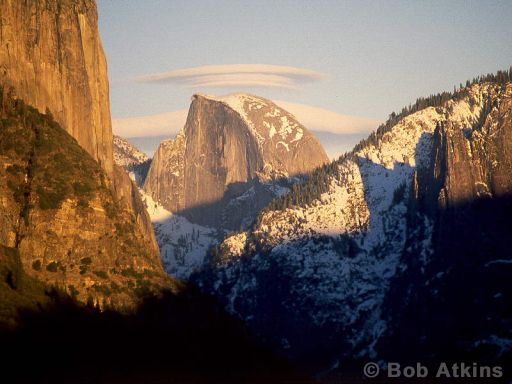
x=168, y=123
x=314, y=118
x=324, y=120
x=337, y=132
x=236, y=75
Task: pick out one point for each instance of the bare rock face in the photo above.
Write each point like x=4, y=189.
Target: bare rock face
x=477, y=161
x=226, y=146
x=51, y=58
x=230, y=140
x=165, y=179
x=51, y=53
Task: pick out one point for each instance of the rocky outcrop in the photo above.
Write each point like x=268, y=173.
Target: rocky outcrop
x=51, y=53
x=51, y=56
x=60, y=214
x=226, y=146
x=165, y=180
x=477, y=160
x=460, y=210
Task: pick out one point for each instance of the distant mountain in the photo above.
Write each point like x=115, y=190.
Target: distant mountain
x=234, y=155
x=149, y=144
x=135, y=162
x=126, y=154
x=334, y=144
x=229, y=151
x=391, y=250
x=336, y=132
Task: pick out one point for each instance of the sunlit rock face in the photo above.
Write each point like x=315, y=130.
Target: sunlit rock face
x=226, y=146
x=165, y=179
x=51, y=58
x=51, y=53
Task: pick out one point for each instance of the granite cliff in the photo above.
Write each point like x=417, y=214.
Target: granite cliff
x=230, y=148
x=51, y=54
x=52, y=62
x=165, y=179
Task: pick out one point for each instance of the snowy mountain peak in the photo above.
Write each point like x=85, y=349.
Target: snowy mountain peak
x=135, y=162
x=126, y=154
x=230, y=146
x=267, y=121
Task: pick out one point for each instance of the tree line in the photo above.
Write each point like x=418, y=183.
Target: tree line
x=318, y=181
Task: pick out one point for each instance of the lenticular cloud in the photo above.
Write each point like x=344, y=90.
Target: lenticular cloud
x=236, y=75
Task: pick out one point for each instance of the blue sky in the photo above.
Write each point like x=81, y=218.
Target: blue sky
x=371, y=57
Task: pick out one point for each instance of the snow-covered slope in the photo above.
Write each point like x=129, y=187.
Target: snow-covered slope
x=264, y=118
x=183, y=245
x=312, y=271
x=126, y=153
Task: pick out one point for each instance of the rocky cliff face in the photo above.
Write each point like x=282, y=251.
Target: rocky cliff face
x=230, y=140
x=462, y=206
x=228, y=146
x=325, y=275
x=62, y=218
x=166, y=176
x=51, y=53
x=51, y=58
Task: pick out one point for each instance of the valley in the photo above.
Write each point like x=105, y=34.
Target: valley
x=263, y=238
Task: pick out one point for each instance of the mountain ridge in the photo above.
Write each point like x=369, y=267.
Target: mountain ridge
x=135, y=162
x=323, y=256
